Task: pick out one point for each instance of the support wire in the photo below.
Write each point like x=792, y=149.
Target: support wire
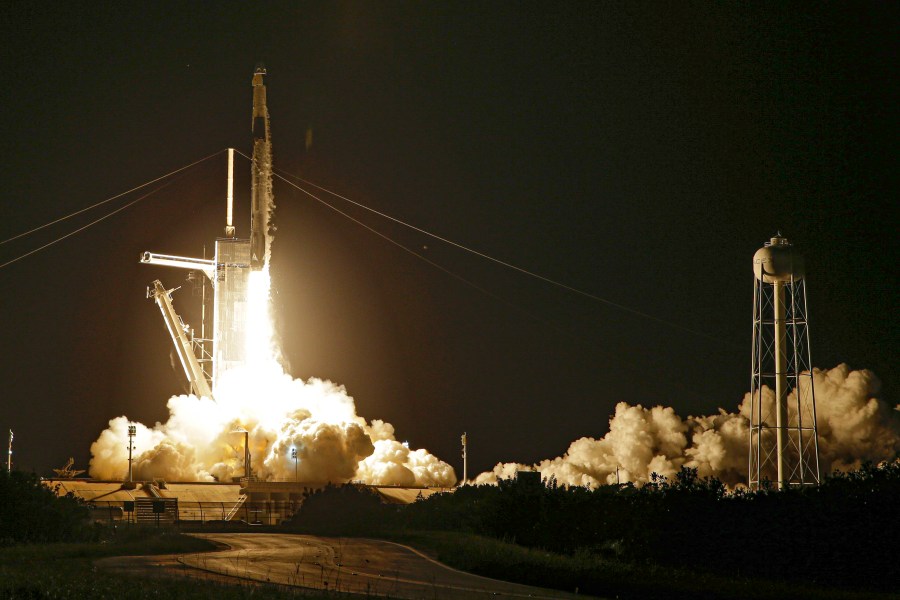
x=102, y=202
x=496, y=260
x=94, y=222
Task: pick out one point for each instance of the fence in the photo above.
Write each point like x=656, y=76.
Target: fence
x=173, y=511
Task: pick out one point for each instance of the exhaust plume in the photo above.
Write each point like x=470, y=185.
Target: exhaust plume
x=854, y=426
x=317, y=418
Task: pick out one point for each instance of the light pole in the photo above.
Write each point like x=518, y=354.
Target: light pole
x=132, y=430
x=246, y=451
x=9, y=456
x=294, y=456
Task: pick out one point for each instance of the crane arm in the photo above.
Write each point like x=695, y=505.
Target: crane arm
x=182, y=262
x=199, y=384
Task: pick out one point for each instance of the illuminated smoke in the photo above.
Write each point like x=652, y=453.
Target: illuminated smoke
x=854, y=426
x=316, y=418
x=392, y=461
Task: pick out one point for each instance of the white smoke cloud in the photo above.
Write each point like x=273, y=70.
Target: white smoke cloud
x=316, y=417
x=854, y=426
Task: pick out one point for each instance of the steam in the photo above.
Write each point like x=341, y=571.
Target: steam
x=316, y=418
x=854, y=426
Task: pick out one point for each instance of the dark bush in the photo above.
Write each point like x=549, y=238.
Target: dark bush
x=30, y=512
x=343, y=510
x=843, y=532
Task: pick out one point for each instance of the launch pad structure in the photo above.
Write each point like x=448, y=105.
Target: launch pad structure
x=208, y=503
x=205, y=359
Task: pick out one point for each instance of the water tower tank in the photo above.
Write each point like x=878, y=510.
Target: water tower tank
x=777, y=261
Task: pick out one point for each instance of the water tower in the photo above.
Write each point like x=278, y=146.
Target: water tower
x=784, y=447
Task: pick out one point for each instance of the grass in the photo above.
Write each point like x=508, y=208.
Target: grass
x=596, y=575
x=66, y=571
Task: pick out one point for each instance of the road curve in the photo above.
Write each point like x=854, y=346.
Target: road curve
x=354, y=565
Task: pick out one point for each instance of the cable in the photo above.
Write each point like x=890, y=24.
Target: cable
x=78, y=212
x=563, y=330
x=417, y=255
x=70, y=234
x=506, y=264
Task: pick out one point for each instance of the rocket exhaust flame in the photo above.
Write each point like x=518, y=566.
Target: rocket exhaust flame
x=316, y=417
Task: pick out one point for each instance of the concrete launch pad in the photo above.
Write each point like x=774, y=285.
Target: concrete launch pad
x=263, y=502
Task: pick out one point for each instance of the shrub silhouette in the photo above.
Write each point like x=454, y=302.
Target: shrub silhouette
x=344, y=509
x=842, y=532
x=31, y=513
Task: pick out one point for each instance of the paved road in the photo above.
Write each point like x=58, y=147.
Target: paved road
x=350, y=565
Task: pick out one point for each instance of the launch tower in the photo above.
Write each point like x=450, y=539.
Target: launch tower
x=784, y=449
x=205, y=359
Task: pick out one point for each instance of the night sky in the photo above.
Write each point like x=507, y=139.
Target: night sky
x=639, y=152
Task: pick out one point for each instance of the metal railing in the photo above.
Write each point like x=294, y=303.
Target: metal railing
x=264, y=512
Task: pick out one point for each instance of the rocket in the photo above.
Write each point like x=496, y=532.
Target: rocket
x=205, y=359
x=261, y=200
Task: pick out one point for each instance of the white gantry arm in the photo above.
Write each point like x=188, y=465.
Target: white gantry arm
x=181, y=262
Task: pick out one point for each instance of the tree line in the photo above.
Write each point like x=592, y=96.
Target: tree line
x=32, y=513
x=844, y=531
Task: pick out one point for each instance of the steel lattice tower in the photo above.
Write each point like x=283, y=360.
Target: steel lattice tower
x=784, y=447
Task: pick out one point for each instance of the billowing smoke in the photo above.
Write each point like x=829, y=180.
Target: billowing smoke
x=854, y=426
x=203, y=439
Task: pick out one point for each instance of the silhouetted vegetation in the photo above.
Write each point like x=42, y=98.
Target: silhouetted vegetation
x=29, y=512
x=345, y=510
x=844, y=532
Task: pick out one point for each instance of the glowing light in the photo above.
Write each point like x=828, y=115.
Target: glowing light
x=260, y=332
x=314, y=422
